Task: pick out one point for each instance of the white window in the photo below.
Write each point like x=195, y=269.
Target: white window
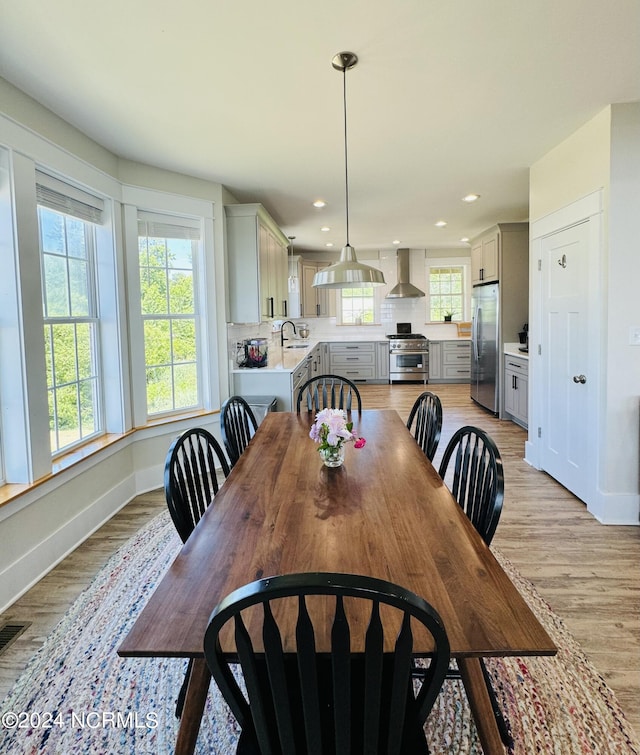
x=447, y=297
x=67, y=221
x=358, y=305
x=167, y=251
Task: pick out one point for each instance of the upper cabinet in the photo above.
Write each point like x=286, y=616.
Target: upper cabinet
x=316, y=302
x=484, y=258
x=257, y=262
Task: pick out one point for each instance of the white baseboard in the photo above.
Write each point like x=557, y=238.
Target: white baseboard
x=23, y=573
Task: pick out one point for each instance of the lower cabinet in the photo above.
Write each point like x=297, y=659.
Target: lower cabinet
x=449, y=361
x=360, y=361
x=356, y=361
x=516, y=389
x=382, y=361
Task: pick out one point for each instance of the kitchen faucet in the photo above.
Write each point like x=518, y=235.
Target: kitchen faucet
x=282, y=338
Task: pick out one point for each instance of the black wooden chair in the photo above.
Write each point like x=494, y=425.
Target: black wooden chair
x=238, y=425
x=475, y=477
x=190, y=485
x=472, y=468
x=425, y=422
x=298, y=701
x=328, y=392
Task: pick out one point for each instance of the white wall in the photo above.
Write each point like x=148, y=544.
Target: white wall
x=605, y=154
x=41, y=526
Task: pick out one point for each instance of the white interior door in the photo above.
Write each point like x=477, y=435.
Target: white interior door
x=568, y=395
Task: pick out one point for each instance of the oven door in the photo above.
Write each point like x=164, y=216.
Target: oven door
x=408, y=365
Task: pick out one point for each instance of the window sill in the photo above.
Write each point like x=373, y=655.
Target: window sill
x=11, y=490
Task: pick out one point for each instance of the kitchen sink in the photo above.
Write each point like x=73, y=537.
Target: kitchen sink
x=298, y=346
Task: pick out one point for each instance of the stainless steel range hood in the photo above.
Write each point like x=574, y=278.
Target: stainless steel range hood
x=404, y=289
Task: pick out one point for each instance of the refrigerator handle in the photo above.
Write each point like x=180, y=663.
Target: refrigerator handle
x=475, y=332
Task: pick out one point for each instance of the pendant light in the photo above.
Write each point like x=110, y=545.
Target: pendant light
x=293, y=278
x=348, y=272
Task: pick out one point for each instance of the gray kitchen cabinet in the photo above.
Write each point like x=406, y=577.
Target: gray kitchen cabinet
x=258, y=266
x=316, y=302
x=353, y=360
x=516, y=389
x=484, y=258
x=449, y=361
x=382, y=361
x=435, y=361
x=318, y=360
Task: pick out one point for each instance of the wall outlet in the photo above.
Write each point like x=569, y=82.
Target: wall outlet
x=634, y=336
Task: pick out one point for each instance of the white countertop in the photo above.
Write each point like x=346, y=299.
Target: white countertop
x=513, y=349
x=282, y=359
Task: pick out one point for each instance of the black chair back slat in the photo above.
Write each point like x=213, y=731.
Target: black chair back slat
x=341, y=673
x=426, y=413
x=278, y=680
x=260, y=704
x=238, y=425
x=400, y=685
x=302, y=701
x=478, y=479
x=373, y=680
x=328, y=392
x=306, y=647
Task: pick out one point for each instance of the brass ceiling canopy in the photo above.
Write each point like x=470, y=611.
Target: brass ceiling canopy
x=348, y=272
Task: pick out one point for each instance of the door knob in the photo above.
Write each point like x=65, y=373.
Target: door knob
x=579, y=379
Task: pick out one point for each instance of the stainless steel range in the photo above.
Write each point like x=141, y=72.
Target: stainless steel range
x=408, y=355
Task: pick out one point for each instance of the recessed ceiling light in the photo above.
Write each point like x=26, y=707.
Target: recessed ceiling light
x=395, y=241
x=441, y=223
x=464, y=240
x=319, y=203
x=325, y=228
x=471, y=197
x=329, y=243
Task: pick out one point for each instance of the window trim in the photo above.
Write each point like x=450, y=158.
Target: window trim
x=137, y=200
x=465, y=264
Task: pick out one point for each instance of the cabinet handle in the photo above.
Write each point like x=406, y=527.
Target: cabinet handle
x=270, y=300
x=284, y=306
x=317, y=310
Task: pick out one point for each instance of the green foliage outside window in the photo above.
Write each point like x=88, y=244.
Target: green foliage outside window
x=70, y=328
x=169, y=322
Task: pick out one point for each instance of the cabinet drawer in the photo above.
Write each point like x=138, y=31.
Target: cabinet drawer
x=350, y=348
x=299, y=376
x=519, y=366
x=356, y=372
x=353, y=358
x=451, y=371
x=456, y=358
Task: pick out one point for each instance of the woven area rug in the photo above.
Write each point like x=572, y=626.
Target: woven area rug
x=78, y=696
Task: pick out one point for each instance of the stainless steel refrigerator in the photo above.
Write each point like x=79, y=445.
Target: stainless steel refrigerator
x=485, y=302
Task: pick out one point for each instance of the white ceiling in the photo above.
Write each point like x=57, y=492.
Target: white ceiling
x=449, y=97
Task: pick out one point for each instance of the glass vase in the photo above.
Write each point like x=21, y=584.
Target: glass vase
x=332, y=456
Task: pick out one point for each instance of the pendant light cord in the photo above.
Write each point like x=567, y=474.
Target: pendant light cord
x=346, y=161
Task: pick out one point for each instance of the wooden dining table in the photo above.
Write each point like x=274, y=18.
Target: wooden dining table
x=385, y=513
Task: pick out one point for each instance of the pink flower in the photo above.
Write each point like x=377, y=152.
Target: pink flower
x=359, y=443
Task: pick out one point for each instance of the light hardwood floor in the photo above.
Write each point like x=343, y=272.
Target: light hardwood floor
x=587, y=572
